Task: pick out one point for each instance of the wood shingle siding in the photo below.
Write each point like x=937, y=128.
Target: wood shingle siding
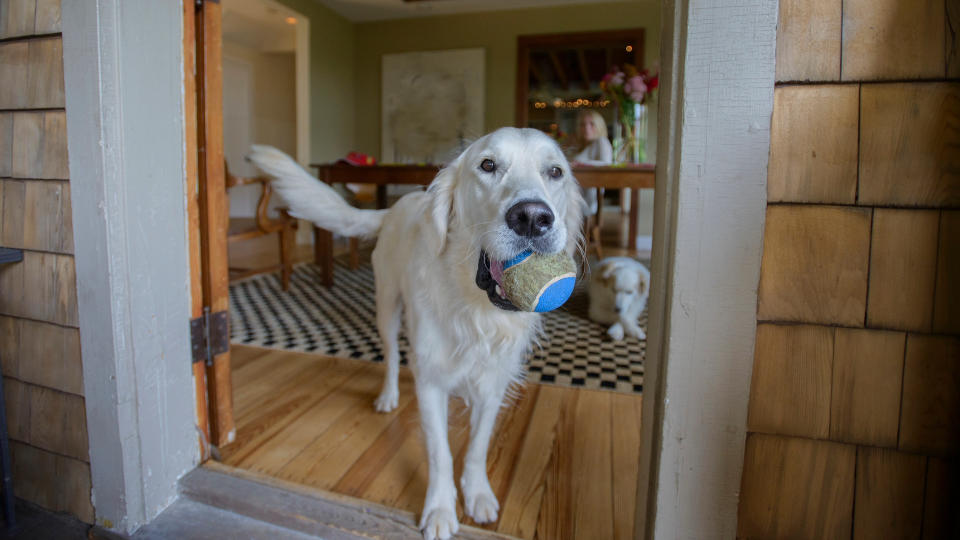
x=796, y=488
x=40, y=353
x=903, y=265
x=808, y=40
x=946, y=304
x=43, y=287
x=33, y=74
x=39, y=337
x=40, y=145
x=865, y=389
x=814, y=266
x=21, y=18
x=893, y=39
x=889, y=496
x=909, y=140
x=931, y=395
x=36, y=215
x=790, y=388
x=862, y=245
x=813, y=144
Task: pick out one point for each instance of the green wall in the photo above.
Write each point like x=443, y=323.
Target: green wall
x=496, y=33
x=332, y=97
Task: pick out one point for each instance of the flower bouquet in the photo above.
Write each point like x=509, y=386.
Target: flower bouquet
x=629, y=89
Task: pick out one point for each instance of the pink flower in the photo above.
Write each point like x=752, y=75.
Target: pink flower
x=617, y=78
x=636, y=88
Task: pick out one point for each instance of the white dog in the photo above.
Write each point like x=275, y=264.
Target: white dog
x=619, y=289
x=509, y=191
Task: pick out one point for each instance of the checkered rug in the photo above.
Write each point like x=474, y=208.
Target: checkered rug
x=340, y=321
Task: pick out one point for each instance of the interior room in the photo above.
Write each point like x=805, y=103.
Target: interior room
x=307, y=361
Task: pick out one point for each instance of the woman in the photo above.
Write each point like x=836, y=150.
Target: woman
x=594, y=148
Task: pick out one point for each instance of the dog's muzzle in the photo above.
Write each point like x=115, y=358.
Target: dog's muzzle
x=486, y=281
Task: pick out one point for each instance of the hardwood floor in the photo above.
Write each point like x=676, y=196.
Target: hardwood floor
x=563, y=461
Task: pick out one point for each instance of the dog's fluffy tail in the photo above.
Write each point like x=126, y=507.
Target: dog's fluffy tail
x=308, y=198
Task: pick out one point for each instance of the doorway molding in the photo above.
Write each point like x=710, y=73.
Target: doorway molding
x=716, y=103
x=126, y=146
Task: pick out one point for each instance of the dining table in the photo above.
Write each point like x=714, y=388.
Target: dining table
x=634, y=176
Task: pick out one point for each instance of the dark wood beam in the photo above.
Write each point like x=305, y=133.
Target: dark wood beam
x=537, y=75
x=558, y=68
x=584, y=70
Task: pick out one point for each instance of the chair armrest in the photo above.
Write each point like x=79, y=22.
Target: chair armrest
x=245, y=180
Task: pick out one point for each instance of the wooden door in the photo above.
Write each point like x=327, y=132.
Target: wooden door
x=207, y=209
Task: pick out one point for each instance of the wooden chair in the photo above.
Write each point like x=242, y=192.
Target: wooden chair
x=248, y=228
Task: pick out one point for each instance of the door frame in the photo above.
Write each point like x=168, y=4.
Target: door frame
x=709, y=212
x=132, y=241
x=128, y=161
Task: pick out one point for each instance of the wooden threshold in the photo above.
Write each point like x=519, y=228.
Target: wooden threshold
x=301, y=508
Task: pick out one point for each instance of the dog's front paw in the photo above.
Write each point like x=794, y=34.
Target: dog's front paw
x=439, y=524
x=387, y=400
x=636, y=331
x=481, y=507
x=616, y=332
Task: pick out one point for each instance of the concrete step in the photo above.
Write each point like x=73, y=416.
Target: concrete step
x=222, y=502
x=187, y=519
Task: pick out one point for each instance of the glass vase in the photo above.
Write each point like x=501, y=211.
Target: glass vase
x=630, y=139
x=637, y=134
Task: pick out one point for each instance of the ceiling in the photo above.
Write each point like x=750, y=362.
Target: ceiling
x=259, y=25
x=379, y=10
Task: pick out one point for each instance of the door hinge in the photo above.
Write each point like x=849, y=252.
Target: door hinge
x=209, y=336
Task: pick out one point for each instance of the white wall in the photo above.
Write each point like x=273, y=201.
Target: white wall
x=259, y=101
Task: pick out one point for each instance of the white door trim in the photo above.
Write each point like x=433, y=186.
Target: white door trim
x=715, y=107
x=123, y=74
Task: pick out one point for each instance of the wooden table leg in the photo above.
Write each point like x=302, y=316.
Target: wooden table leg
x=634, y=208
x=381, y=196
x=323, y=254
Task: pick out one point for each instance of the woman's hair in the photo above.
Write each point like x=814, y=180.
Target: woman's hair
x=598, y=123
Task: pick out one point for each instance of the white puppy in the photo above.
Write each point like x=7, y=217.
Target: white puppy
x=619, y=289
x=509, y=191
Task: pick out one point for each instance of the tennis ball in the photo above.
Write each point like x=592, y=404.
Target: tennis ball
x=536, y=282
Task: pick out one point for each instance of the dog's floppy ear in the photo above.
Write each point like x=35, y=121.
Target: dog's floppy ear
x=441, y=203
x=610, y=268
x=644, y=280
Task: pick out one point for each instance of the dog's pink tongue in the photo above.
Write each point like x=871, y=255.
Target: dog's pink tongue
x=496, y=271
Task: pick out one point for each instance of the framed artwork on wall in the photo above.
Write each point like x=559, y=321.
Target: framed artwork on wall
x=433, y=104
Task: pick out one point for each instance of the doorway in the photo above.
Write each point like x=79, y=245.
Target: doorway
x=309, y=419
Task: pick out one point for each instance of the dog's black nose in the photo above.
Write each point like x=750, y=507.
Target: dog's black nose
x=530, y=218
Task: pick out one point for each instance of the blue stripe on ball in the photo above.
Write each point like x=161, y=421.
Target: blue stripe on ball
x=524, y=255
x=555, y=293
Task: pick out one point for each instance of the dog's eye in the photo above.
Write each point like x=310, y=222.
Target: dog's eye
x=488, y=165
x=556, y=172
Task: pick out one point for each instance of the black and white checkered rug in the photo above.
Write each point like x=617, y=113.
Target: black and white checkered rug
x=341, y=321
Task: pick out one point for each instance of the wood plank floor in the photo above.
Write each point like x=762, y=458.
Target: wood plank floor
x=563, y=461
